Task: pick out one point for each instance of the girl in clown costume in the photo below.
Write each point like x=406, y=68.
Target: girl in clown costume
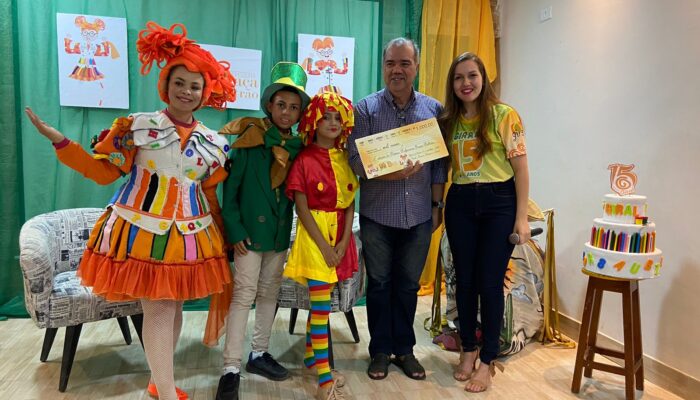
x=323, y=187
x=160, y=239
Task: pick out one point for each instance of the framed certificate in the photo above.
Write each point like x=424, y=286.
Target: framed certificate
x=389, y=151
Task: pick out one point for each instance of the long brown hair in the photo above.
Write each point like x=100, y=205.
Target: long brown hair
x=484, y=104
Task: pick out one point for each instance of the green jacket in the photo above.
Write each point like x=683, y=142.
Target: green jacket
x=251, y=208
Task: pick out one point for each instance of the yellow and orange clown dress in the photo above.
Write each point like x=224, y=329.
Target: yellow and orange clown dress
x=329, y=184
x=325, y=177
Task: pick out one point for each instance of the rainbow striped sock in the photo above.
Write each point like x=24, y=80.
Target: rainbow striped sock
x=320, y=296
x=309, y=359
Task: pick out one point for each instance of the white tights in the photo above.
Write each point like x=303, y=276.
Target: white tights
x=162, y=322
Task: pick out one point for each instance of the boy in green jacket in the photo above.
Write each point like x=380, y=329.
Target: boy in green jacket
x=258, y=221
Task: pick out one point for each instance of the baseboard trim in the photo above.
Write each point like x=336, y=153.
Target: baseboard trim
x=655, y=371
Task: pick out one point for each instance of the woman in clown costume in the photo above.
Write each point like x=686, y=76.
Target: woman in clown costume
x=160, y=239
x=323, y=187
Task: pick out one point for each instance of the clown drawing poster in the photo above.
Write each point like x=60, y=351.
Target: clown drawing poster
x=93, y=70
x=245, y=65
x=328, y=61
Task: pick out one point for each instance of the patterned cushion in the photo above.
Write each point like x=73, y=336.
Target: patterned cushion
x=344, y=295
x=72, y=303
x=51, y=246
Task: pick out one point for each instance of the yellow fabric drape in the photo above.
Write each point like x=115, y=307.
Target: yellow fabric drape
x=551, y=333
x=449, y=28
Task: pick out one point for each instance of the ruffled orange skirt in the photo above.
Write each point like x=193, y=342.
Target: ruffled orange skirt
x=123, y=262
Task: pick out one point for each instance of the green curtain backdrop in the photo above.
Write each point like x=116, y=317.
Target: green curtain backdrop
x=36, y=183
x=399, y=18
x=12, y=199
x=269, y=25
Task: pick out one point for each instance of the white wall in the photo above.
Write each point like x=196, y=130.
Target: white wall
x=609, y=81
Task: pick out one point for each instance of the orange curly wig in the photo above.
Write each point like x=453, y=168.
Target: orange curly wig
x=163, y=46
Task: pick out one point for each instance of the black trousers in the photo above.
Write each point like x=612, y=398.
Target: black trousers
x=479, y=217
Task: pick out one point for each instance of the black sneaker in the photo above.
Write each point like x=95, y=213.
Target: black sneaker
x=266, y=366
x=228, y=387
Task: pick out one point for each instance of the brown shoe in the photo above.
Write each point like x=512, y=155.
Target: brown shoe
x=330, y=392
x=337, y=376
x=410, y=366
x=379, y=366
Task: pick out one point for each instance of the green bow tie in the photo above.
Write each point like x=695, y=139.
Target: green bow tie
x=283, y=149
x=273, y=138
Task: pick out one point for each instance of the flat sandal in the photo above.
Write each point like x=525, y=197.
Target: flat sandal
x=379, y=364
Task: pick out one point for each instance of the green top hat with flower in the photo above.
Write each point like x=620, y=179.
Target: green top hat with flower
x=285, y=74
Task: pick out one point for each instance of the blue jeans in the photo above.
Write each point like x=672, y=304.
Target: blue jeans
x=395, y=259
x=478, y=218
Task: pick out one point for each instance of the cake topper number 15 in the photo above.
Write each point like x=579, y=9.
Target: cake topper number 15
x=622, y=179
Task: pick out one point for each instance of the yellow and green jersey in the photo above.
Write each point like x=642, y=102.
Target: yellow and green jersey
x=507, y=138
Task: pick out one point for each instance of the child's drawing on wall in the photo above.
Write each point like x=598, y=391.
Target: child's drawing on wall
x=92, y=72
x=88, y=48
x=328, y=62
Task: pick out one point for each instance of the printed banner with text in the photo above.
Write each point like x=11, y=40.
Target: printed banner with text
x=245, y=67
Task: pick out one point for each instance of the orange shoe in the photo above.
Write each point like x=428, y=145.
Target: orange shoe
x=153, y=392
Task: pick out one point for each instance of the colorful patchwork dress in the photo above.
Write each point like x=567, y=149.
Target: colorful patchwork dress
x=156, y=239
x=329, y=184
x=86, y=70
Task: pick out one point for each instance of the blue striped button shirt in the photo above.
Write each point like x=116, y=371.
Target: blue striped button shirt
x=402, y=203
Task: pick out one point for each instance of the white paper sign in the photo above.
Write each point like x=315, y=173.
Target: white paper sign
x=328, y=61
x=245, y=67
x=93, y=69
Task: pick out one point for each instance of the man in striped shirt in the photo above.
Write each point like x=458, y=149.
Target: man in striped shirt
x=398, y=213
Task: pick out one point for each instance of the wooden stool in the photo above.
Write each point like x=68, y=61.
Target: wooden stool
x=587, y=348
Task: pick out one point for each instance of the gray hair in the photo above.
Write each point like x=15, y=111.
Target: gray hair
x=400, y=42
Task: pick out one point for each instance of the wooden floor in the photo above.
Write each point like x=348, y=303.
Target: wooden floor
x=105, y=367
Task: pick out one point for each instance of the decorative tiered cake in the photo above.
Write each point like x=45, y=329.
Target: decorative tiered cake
x=623, y=242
